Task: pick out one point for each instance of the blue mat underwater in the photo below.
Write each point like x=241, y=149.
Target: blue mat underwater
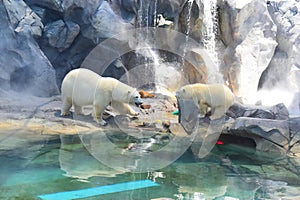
x=84, y=193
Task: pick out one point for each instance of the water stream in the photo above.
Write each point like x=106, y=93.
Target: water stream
x=210, y=23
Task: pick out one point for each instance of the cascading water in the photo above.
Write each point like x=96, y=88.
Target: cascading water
x=143, y=52
x=163, y=74
x=210, y=23
x=209, y=32
x=188, y=27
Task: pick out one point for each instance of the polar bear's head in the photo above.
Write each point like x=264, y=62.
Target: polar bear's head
x=185, y=92
x=126, y=94
x=135, y=97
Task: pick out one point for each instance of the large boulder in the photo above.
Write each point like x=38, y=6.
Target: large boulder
x=283, y=71
x=23, y=66
x=277, y=112
x=246, y=28
x=276, y=131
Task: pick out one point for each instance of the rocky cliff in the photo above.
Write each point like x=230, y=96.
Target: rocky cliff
x=255, y=43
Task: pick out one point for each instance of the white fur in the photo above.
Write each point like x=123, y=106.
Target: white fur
x=217, y=97
x=82, y=87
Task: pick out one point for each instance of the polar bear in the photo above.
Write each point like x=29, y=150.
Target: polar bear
x=217, y=97
x=82, y=87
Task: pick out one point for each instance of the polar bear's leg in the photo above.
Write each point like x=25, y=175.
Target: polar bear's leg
x=203, y=107
x=123, y=108
x=97, y=114
x=66, y=105
x=217, y=112
x=77, y=109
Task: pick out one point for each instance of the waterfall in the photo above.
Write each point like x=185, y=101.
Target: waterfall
x=209, y=39
x=188, y=27
x=156, y=72
x=188, y=19
x=145, y=55
x=210, y=23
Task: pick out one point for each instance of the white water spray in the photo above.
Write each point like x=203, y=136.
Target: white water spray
x=210, y=23
x=209, y=32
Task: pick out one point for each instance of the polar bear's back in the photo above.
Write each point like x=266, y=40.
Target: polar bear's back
x=215, y=94
x=80, y=85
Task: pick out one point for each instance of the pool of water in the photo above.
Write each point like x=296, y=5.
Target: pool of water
x=33, y=165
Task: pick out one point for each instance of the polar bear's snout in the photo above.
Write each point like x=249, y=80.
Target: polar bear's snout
x=138, y=101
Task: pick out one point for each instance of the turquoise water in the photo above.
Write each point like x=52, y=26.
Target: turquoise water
x=34, y=165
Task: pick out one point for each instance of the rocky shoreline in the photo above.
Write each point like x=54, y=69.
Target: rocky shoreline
x=267, y=129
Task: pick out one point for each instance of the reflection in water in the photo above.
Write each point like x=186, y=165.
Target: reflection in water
x=75, y=160
x=33, y=166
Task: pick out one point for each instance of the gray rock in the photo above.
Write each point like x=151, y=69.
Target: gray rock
x=188, y=115
x=116, y=70
x=105, y=23
x=129, y=5
x=60, y=34
x=23, y=65
x=191, y=19
x=22, y=18
x=252, y=30
x=275, y=131
x=294, y=124
x=276, y=112
x=48, y=4
x=286, y=61
x=41, y=12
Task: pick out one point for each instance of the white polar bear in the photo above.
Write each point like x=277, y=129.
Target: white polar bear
x=217, y=97
x=82, y=87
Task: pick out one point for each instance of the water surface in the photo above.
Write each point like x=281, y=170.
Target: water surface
x=33, y=165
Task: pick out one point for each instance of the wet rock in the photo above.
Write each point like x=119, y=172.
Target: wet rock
x=195, y=74
x=193, y=24
x=284, y=67
x=275, y=131
x=244, y=28
x=188, y=115
x=266, y=149
x=294, y=124
x=104, y=23
x=60, y=34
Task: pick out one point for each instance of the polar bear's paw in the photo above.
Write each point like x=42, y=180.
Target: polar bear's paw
x=101, y=122
x=65, y=113
x=135, y=114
